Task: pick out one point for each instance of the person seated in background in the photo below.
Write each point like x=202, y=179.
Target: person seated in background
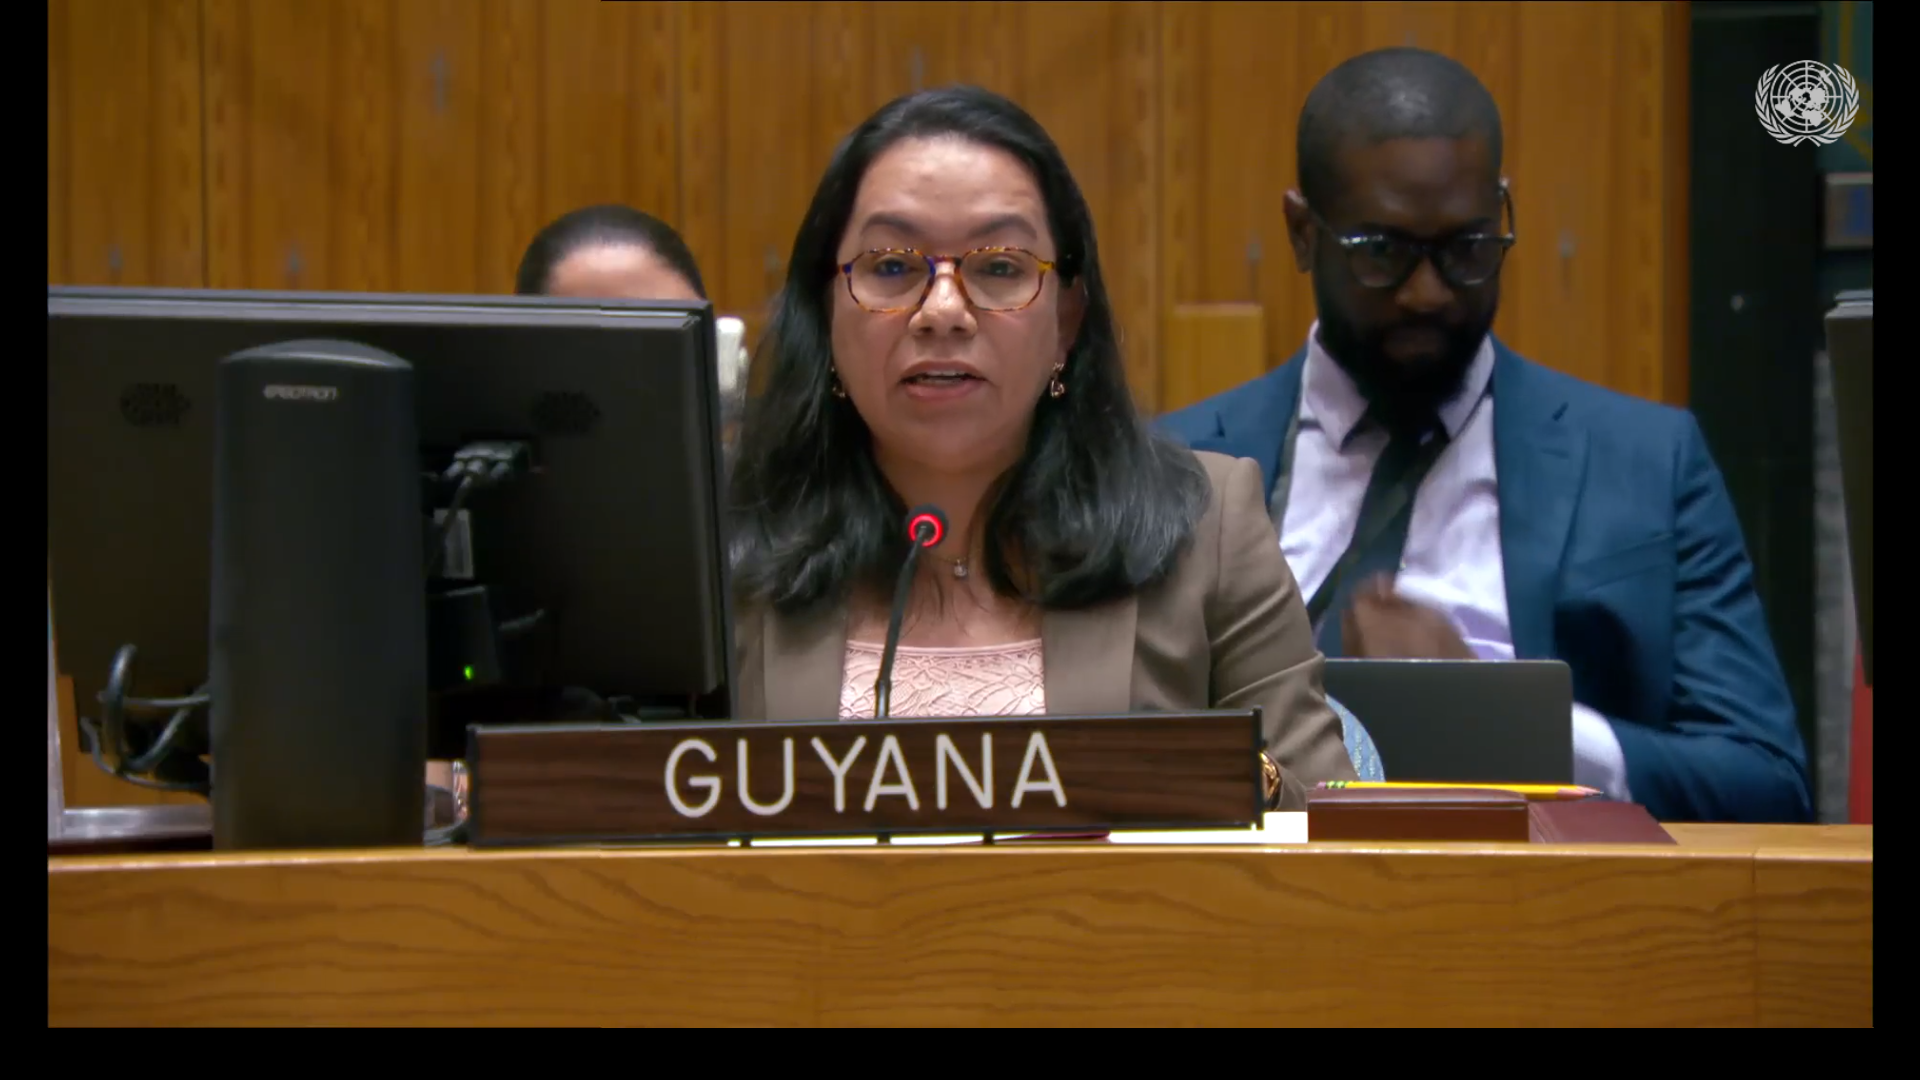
x=618, y=252
x=1553, y=518
x=944, y=337
x=609, y=251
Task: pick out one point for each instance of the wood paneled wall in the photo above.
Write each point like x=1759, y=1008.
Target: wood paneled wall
x=417, y=145
x=1593, y=101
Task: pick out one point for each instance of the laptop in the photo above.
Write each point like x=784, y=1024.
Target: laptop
x=1463, y=721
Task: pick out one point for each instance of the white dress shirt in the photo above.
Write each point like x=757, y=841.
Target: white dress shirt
x=1452, y=562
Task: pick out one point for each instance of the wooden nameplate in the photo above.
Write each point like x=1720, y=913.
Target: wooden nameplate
x=1447, y=814
x=1475, y=815
x=618, y=783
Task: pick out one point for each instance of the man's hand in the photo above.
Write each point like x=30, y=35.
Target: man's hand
x=1380, y=624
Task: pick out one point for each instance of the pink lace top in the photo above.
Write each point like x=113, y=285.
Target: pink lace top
x=993, y=680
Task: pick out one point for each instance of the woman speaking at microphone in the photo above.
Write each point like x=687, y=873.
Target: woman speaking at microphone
x=944, y=339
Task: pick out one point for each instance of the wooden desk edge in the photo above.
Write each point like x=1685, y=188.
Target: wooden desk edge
x=1794, y=922
x=1826, y=837
x=71, y=864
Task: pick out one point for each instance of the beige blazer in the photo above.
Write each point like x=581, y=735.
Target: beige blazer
x=1226, y=629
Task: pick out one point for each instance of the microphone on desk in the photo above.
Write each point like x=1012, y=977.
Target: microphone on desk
x=926, y=527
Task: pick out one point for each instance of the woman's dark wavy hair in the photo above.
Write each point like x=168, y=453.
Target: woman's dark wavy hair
x=1097, y=507
x=607, y=223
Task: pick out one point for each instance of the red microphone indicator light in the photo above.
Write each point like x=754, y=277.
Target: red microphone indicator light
x=927, y=527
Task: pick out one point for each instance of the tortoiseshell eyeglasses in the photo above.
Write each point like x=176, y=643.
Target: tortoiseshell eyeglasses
x=888, y=280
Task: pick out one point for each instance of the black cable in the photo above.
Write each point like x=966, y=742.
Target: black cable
x=476, y=465
x=107, y=739
x=156, y=753
x=115, y=704
x=514, y=628
x=113, y=700
x=92, y=736
x=439, y=549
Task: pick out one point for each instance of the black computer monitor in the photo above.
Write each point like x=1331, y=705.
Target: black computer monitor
x=615, y=534
x=1850, y=357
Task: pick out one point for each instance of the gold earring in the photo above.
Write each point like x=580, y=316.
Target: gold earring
x=1056, y=387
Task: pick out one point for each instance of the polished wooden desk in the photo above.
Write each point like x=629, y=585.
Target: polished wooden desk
x=1735, y=926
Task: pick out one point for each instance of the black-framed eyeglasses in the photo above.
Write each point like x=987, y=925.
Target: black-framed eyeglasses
x=888, y=280
x=1387, y=260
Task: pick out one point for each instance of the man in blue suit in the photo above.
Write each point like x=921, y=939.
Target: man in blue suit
x=1553, y=518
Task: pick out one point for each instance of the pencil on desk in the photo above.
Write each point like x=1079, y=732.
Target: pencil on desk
x=1539, y=792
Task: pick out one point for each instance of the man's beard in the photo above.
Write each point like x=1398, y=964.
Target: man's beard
x=1397, y=389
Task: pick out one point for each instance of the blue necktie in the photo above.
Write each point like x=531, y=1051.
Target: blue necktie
x=1380, y=534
